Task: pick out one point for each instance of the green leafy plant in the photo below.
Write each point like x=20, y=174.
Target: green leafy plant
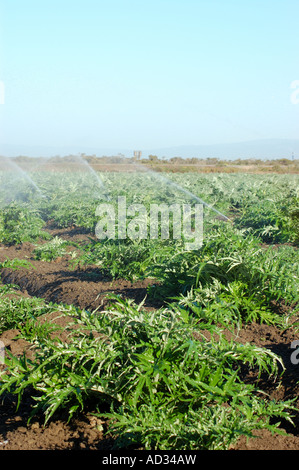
x=143, y=363
x=19, y=224
x=231, y=278
x=157, y=378
x=125, y=259
x=16, y=310
x=51, y=250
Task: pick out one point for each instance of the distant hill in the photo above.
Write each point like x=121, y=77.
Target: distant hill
x=10, y=150
x=258, y=149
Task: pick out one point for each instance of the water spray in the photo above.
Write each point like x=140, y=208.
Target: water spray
x=92, y=171
x=180, y=188
x=22, y=172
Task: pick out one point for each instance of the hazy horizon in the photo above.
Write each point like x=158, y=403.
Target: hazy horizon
x=258, y=149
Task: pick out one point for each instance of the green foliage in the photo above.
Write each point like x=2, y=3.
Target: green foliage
x=21, y=224
x=166, y=389
x=272, y=219
x=72, y=212
x=16, y=310
x=165, y=384
x=126, y=259
x=212, y=427
x=15, y=264
x=51, y=250
x=293, y=213
x=232, y=279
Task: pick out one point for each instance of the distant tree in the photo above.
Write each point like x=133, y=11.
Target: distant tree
x=177, y=160
x=153, y=158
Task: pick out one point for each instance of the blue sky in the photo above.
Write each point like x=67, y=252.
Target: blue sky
x=147, y=74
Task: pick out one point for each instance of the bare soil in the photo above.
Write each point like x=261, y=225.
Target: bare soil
x=127, y=165
x=87, y=287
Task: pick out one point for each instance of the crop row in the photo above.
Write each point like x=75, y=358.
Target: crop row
x=156, y=376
